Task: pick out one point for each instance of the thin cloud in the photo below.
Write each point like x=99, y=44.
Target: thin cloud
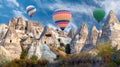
x=18, y=13
x=75, y=8
x=13, y=2
x=110, y=5
x=1, y=6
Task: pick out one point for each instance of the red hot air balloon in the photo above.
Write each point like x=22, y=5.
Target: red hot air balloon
x=62, y=18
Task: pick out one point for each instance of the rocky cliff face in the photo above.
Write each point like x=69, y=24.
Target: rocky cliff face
x=4, y=52
x=48, y=36
x=71, y=33
x=19, y=32
x=34, y=29
x=42, y=51
x=93, y=36
x=91, y=39
x=20, y=24
x=3, y=30
x=11, y=43
x=13, y=22
x=34, y=49
x=110, y=30
x=47, y=53
x=79, y=39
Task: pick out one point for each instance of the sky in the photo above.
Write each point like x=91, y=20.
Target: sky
x=82, y=11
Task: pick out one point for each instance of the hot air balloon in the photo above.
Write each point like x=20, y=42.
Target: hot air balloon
x=99, y=14
x=62, y=18
x=30, y=10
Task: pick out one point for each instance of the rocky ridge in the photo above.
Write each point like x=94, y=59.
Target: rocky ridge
x=20, y=34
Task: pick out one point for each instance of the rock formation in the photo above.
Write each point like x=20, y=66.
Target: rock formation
x=4, y=52
x=110, y=30
x=42, y=51
x=21, y=33
x=3, y=30
x=79, y=39
x=34, y=49
x=91, y=39
x=11, y=43
x=71, y=33
x=34, y=29
x=93, y=36
x=47, y=53
x=48, y=36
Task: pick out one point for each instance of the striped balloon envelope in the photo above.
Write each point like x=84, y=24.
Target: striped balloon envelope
x=62, y=18
x=30, y=10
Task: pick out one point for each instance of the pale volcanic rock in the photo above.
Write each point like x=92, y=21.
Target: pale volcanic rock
x=13, y=22
x=34, y=49
x=4, y=52
x=3, y=30
x=34, y=29
x=79, y=39
x=11, y=43
x=110, y=30
x=48, y=36
x=93, y=36
x=71, y=33
x=91, y=39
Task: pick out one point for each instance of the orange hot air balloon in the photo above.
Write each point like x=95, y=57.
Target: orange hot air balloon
x=62, y=18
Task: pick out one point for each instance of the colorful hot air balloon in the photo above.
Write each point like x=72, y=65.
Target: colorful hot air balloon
x=99, y=14
x=30, y=10
x=62, y=18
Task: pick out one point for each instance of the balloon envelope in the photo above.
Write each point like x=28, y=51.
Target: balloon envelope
x=62, y=18
x=98, y=14
x=30, y=10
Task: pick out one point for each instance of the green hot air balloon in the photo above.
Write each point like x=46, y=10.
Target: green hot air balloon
x=98, y=14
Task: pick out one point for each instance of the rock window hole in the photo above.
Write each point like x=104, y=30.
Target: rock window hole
x=37, y=32
x=113, y=24
x=25, y=28
x=45, y=42
x=10, y=41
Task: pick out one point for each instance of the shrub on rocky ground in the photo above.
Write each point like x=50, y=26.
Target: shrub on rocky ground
x=60, y=48
x=24, y=54
x=109, y=54
x=3, y=59
x=26, y=63
x=34, y=58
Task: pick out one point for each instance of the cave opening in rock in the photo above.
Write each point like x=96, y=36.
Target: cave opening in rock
x=48, y=35
x=25, y=28
x=10, y=41
x=37, y=32
x=21, y=28
x=44, y=42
